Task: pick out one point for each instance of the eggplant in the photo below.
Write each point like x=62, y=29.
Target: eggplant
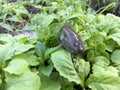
x=70, y=40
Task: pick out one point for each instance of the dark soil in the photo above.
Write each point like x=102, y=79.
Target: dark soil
x=31, y=9
x=98, y=5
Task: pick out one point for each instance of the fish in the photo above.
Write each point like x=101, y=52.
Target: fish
x=70, y=40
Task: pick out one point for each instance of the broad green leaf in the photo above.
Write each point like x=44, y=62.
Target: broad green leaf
x=110, y=45
x=6, y=38
x=118, y=68
x=96, y=38
x=0, y=80
x=115, y=57
x=17, y=66
x=83, y=69
x=90, y=55
x=47, y=70
x=101, y=60
x=49, y=51
x=27, y=81
x=20, y=38
x=14, y=18
x=104, y=78
x=40, y=49
x=107, y=22
x=100, y=48
x=49, y=84
x=42, y=19
x=6, y=26
x=72, y=16
x=63, y=64
x=32, y=39
x=11, y=49
x=116, y=37
x=31, y=59
x=106, y=54
x=43, y=33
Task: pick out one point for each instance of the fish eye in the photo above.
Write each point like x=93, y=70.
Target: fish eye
x=76, y=44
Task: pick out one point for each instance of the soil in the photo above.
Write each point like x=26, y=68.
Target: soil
x=97, y=5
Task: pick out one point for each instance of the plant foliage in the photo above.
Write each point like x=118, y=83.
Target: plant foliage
x=38, y=61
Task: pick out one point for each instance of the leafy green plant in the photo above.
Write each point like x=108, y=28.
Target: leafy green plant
x=39, y=62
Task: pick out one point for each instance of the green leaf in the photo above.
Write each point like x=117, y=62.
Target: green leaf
x=17, y=66
x=90, y=55
x=0, y=80
x=49, y=51
x=47, y=70
x=6, y=38
x=14, y=18
x=49, y=84
x=42, y=19
x=96, y=38
x=20, y=38
x=118, y=68
x=107, y=22
x=106, y=54
x=6, y=26
x=63, y=64
x=31, y=59
x=101, y=60
x=40, y=49
x=115, y=57
x=72, y=16
x=116, y=37
x=9, y=50
x=83, y=68
x=104, y=78
x=110, y=45
x=27, y=81
x=100, y=48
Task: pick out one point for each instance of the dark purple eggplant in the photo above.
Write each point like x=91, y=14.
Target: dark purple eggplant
x=70, y=40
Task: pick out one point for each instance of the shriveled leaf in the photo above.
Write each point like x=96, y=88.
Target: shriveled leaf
x=27, y=81
x=17, y=66
x=63, y=63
